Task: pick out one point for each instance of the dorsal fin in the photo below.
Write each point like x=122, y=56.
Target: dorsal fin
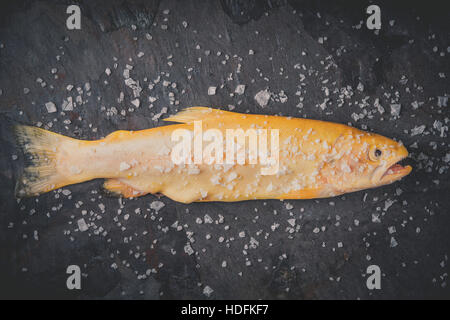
x=192, y=114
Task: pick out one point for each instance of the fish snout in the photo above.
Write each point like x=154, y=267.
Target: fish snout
x=392, y=171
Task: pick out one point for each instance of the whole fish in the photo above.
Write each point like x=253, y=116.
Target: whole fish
x=316, y=159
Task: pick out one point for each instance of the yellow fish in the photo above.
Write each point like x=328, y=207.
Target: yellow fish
x=316, y=159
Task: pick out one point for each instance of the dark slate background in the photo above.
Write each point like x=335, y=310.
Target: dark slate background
x=406, y=62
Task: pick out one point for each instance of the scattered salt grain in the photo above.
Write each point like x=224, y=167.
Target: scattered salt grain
x=188, y=249
x=394, y=242
x=240, y=89
x=157, y=205
x=50, y=107
x=136, y=102
x=291, y=222
x=207, y=291
x=207, y=219
x=442, y=101
x=212, y=91
x=395, y=109
x=82, y=225
x=67, y=104
x=417, y=130
x=262, y=97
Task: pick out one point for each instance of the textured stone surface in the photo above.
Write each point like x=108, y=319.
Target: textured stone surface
x=322, y=51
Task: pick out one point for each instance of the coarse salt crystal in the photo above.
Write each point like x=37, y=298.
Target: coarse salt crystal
x=240, y=89
x=50, y=107
x=207, y=291
x=157, y=205
x=262, y=97
x=212, y=91
x=82, y=225
x=124, y=166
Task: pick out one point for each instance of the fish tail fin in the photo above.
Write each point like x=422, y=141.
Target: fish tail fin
x=40, y=148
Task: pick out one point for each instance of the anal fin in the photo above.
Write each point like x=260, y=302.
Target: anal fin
x=119, y=188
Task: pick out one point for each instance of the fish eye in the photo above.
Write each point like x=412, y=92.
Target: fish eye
x=375, y=154
x=378, y=153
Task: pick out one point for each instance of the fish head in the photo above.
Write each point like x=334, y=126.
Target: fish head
x=362, y=160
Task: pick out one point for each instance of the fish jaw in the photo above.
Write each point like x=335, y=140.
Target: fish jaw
x=394, y=173
x=391, y=171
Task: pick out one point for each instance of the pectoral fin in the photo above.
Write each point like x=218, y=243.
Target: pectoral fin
x=307, y=193
x=119, y=188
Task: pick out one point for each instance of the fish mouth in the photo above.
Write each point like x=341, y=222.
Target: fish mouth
x=395, y=172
